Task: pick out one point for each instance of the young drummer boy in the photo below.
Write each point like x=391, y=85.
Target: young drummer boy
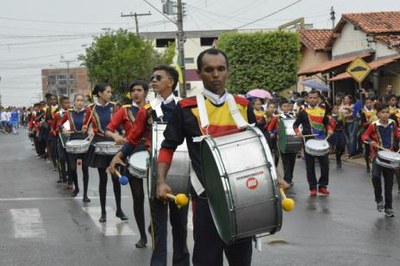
x=382, y=134
x=288, y=158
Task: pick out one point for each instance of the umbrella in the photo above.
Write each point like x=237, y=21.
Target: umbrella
x=259, y=93
x=316, y=85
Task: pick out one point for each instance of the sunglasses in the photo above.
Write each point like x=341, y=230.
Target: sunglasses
x=156, y=77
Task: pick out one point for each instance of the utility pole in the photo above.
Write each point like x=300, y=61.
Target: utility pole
x=181, y=48
x=136, y=15
x=68, y=77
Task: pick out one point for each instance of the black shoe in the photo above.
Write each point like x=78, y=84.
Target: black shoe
x=75, y=193
x=121, y=215
x=141, y=243
x=339, y=165
x=86, y=199
x=59, y=181
x=103, y=218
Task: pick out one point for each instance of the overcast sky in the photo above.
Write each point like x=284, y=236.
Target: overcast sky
x=37, y=34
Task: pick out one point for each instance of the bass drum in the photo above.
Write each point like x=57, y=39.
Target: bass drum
x=178, y=177
x=288, y=141
x=241, y=185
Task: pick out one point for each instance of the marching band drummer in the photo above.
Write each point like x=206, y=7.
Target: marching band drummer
x=382, y=134
x=212, y=67
x=103, y=110
x=161, y=109
x=315, y=120
x=288, y=158
x=74, y=118
x=125, y=117
x=59, y=142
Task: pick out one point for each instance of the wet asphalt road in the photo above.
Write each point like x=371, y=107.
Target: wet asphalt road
x=41, y=224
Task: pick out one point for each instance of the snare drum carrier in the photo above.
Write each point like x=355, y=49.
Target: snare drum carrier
x=239, y=179
x=178, y=176
x=288, y=142
x=78, y=143
x=318, y=145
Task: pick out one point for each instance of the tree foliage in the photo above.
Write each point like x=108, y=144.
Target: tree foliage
x=266, y=60
x=118, y=57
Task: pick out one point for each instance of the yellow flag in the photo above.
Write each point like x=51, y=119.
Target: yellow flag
x=178, y=68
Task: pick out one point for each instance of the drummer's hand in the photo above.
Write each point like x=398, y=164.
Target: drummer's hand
x=162, y=190
x=84, y=128
x=117, y=159
x=299, y=134
x=374, y=144
x=119, y=139
x=330, y=132
x=66, y=132
x=283, y=184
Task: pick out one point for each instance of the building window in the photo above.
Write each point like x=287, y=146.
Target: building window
x=62, y=91
x=207, y=41
x=189, y=60
x=61, y=79
x=51, y=80
x=164, y=42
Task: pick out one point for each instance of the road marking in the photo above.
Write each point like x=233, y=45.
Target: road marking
x=27, y=223
x=113, y=227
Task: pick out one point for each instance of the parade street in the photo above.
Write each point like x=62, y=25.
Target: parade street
x=41, y=224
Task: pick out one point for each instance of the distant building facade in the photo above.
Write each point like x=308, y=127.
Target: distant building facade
x=66, y=81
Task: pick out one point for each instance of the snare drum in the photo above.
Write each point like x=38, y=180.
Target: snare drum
x=288, y=140
x=138, y=164
x=388, y=159
x=106, y=148
x=178, y=177
x=77, y=146
x=241, y=185
x=316, y=147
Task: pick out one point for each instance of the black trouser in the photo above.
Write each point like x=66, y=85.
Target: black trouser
x=137, y=191
x=339, y=151
x=367, y=154
x=60, y=155
x=72, y=172
x=310, y=168
x=288, y=161
x=209, y=247
x=103, y=189
x=178, y=219
x=377, y=172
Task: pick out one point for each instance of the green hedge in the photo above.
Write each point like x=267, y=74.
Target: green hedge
x=266, y=60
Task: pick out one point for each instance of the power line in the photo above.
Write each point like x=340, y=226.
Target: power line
x=271, y=14
x=58, y=22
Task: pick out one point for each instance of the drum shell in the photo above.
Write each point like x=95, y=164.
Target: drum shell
x=106, y=148
x=77, y=146
x=138, y=169
x=178, y=177
x=316, y=147
x=388, y=159
x=240, y=182
x=288, y=141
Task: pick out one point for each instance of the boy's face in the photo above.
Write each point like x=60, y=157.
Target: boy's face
x=393, y=101
x=257, y=105
x=368, y=104
x=65, y=104
x=335, y=110
x=285, y=107
x=384, y=115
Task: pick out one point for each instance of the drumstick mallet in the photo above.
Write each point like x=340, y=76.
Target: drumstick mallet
x=181, y=200
x=288, y=204
x=123, y=180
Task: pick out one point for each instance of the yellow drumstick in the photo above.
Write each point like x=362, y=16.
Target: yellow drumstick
x=180, y=199
x=288, y=204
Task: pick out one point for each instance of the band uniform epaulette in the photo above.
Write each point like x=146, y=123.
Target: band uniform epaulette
x=90, y=105
x=188, y=102
x=127, y=105
x=70, y=109
x=147, y=106
x=241, y=100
